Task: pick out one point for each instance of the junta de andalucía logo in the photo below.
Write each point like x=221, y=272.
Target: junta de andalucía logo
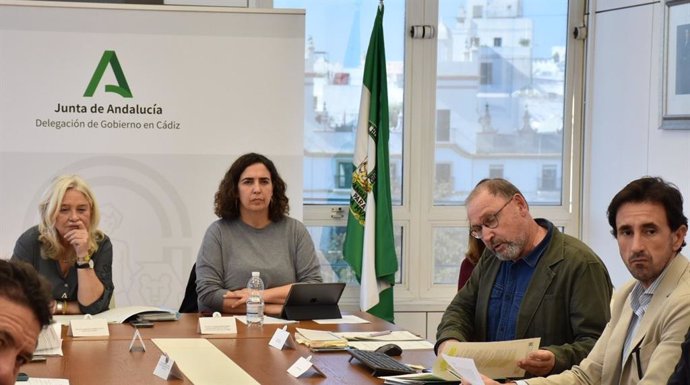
x=109, y=58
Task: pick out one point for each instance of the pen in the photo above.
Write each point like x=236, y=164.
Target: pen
x=378, y=334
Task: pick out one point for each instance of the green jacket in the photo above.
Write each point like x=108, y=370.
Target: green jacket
x=566, y=302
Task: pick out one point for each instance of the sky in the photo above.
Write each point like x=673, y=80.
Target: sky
x=329, y=22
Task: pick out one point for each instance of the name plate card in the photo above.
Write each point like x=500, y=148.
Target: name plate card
x=217, y=324
x=167, y=368
x=301, y=366
x=132, y=345
x=282, y=339
x=89, y=327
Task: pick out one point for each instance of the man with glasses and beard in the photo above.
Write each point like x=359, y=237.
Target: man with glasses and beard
x=531, y=281
x=649, y=313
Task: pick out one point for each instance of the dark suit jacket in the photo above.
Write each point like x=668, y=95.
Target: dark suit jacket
x=681, y=376
x=566, y=302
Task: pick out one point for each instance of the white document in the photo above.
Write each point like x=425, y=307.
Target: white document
x=493, y=359
x=404, y=345
x=464, y=368
x=121, y=314
x=94, y=327
x=202, y=362
x=44, y=381
x=217, y=325
x=267, y=320
x=413, y=378
x=117, y=315
x=318, y=335
x=50, y=341
x=397, y=335
x=347, y=319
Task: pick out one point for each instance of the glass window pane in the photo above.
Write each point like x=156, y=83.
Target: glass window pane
x=501, y=77
x=449, y=248
x=337, y=36
x=328, y=241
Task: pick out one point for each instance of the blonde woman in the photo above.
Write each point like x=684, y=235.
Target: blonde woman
x=69, y=250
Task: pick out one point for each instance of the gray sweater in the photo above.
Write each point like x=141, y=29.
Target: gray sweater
x=283, y=252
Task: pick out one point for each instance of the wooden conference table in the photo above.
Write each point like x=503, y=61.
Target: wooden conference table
x=108, y=361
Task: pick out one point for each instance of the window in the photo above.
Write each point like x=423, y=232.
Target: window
x=343, y=178
x=443, y=125
x=334, y=61
x=477, y=11
x=486, y=73
x=450, y=246
x=497, y=109
x=495, y=171
x=443, y=173
x=516, y=116
x=549, y=180
x=514, y=123
x=328, y=241
x=443, y=181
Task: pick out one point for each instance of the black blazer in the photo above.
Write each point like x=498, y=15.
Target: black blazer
x=681, y=376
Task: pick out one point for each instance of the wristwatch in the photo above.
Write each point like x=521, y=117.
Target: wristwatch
x=84, y=264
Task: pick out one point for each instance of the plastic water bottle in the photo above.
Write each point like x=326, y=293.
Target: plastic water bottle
x=255, y=302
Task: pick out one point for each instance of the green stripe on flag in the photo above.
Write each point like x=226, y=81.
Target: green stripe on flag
x=369, y=245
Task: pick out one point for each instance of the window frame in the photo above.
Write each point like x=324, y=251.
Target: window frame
x=417, y=214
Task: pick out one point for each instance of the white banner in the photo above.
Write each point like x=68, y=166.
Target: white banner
x=150, y=105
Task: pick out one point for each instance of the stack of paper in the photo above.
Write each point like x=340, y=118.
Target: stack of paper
x=417, y=379
x=374, y=340
x=123, y=314
x=320, y=339
x=496, y=360
x=50, y=341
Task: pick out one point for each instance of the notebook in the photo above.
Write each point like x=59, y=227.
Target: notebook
x=307, y=301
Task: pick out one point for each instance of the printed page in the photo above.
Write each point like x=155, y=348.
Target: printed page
x=50, y=341
x=404, y=345
x=318, y=335
x=115, y=315
x=202, y=362
x=267, y=320
x=397, y=335
x=493, y=359
x=347, y=319
x=45, y=381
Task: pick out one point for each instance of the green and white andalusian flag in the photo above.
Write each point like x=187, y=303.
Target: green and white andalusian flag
x=369, y=244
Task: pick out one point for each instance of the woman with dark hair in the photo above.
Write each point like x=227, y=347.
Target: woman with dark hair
x=253, y=233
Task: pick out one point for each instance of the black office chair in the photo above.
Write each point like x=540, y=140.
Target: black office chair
x=189, y=302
